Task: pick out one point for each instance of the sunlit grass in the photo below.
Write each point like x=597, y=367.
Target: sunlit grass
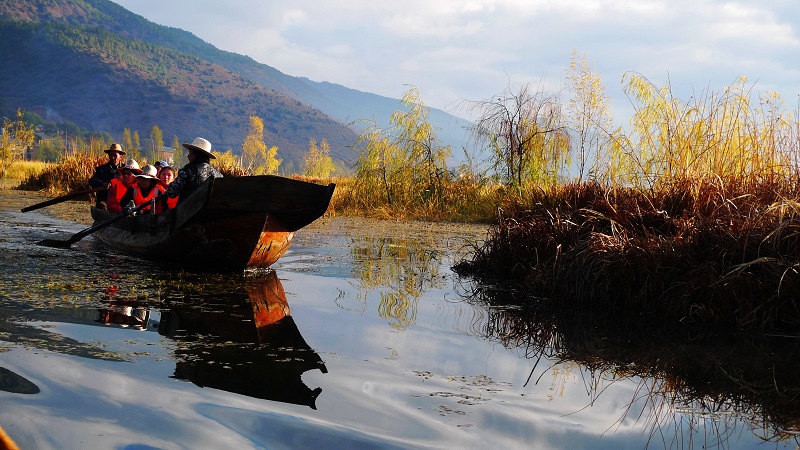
x=20, y=170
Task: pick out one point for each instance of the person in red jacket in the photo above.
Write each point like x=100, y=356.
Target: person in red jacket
x=121, y=185
x=166, y=176
x=103, y=174
x=145, y=190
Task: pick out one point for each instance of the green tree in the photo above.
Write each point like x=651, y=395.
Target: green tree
x=318, y=162
x=157, y=142
x=51, y=151
x=16, y=138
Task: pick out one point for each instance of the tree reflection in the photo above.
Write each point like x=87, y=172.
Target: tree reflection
x=243, y=341
x=712, y=380
x=402, y=269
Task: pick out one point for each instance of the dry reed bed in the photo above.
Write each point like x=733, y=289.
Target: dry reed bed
x=722, y=253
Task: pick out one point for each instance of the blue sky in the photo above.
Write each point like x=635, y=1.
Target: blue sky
x=470, y=50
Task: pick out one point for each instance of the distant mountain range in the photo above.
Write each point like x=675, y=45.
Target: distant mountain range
x=100, y=66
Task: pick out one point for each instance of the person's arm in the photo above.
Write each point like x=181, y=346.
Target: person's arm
x=126, y=198
x=174, y=189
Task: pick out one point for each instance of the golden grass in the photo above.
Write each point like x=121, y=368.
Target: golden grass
x=23, y=169
x=70, y=174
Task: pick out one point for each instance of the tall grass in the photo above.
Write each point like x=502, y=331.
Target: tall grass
x=70, y=174
x=20, y=170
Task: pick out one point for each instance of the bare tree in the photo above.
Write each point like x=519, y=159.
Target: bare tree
x=525, y=132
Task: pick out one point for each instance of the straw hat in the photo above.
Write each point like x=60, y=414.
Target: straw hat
x=200, y=145
x=149, y=172
x=115, y=148
x=131, y=165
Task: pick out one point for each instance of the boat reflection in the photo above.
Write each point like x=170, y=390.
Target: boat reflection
x=124, y=314
x=717, y=382
x=245, y=342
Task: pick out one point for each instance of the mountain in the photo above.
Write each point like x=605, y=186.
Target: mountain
x=96, y=64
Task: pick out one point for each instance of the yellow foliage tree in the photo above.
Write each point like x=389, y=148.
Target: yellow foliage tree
x=256, y=157
x=589, y=116
x=16, y=138
x=127, y=140
x=318, y=160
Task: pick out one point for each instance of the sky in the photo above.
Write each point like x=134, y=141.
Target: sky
x=453, y=50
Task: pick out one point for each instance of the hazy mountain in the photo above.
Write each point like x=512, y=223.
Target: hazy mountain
x=94, y=63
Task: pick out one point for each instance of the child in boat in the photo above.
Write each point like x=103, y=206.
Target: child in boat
x=159, y=165
x=120, y=186
x=145, y=189
x=166, y=177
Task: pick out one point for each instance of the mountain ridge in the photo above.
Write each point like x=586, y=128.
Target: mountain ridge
x=294, y=109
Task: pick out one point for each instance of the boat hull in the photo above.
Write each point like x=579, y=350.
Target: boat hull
x=209, y=232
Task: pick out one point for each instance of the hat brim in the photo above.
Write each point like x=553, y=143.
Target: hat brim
x=147, y=177
x=194, y=147
x=121, y=152
x=135, y=171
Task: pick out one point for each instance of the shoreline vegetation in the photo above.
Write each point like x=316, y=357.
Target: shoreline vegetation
x=671, y=249
x=691, y=213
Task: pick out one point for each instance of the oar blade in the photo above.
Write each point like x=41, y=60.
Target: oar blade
x=55, y=243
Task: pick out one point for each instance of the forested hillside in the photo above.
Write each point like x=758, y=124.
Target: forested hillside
x=57, y=58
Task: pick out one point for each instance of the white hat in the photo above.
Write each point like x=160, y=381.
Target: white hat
x=201, y=145
x=149, y=172
x=131, y=165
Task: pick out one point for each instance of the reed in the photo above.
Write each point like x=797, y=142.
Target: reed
x=706, y=250
x=70, y=174
x=20, y=170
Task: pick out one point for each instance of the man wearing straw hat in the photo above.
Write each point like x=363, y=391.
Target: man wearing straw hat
x=103, y=174
x=193, y=174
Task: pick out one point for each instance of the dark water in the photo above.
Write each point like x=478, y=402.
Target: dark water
x=359, y=338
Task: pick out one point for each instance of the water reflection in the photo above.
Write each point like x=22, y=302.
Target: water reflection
x=715, y=382
x=244, y=342
x=15, y=383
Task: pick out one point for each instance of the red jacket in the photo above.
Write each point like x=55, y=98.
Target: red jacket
x=139, y=197
x=115, y=194
x=170, y=203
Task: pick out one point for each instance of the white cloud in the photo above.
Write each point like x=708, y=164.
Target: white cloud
x=453, y=49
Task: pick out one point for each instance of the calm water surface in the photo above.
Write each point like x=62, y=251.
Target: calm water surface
x=359, y=338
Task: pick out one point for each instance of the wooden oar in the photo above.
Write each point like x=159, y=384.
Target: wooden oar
x=98, y=226
x=63, y=198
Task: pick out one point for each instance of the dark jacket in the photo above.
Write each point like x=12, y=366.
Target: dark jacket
x=190, y=177
x=102, y=176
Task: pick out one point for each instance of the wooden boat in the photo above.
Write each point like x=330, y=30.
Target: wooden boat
x=227, y=224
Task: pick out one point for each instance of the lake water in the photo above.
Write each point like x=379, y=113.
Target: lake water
x=365, y=341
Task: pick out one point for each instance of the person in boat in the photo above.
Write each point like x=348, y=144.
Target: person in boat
x=119, y=186
x=145, y=189
x=197, y=171
x=166, y=176
x=160, y=166
x=104, y=173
